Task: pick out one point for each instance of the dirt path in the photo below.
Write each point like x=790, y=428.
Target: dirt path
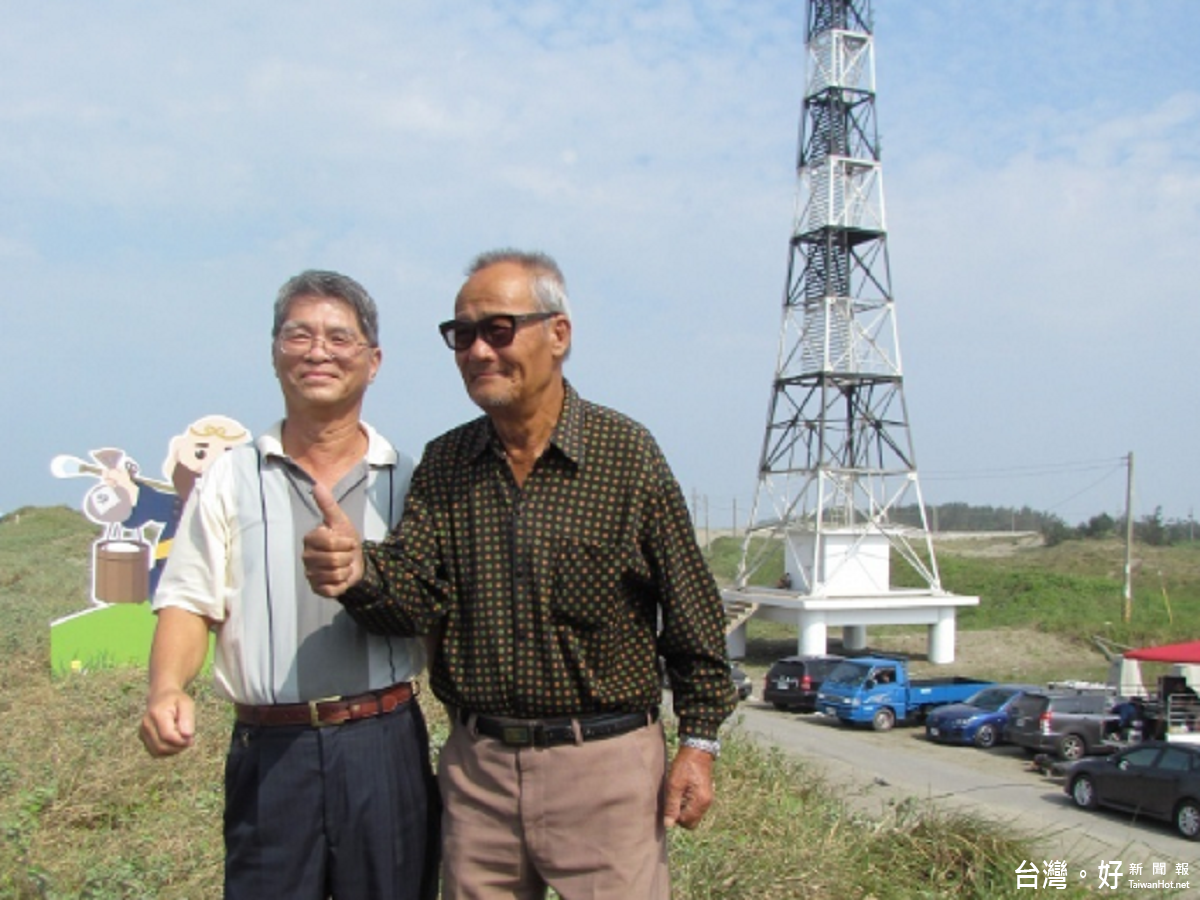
x=1003, y=654
x=998, y=654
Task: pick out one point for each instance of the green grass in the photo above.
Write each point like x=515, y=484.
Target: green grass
x=1076, y=589
x=44, y=572
x=84, y=813
x=725, y=554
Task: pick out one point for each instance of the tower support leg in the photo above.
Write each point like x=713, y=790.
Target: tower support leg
x=813, y=633
x=854, y=637
x=735, y=642
x=941, y=637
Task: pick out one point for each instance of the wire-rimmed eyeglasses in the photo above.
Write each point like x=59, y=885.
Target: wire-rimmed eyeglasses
x=341, y=344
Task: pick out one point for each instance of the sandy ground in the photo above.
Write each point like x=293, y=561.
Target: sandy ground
x=1002, y=654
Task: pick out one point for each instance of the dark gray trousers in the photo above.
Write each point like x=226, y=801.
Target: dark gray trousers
x=345, y=811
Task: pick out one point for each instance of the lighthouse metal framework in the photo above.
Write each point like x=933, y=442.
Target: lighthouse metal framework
x=837, y=457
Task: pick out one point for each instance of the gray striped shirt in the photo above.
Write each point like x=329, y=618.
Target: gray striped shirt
x=236, y=561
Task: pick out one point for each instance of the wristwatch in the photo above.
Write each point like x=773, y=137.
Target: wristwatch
x=712, y=748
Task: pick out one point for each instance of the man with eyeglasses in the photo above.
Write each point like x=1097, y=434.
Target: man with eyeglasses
x=328, y=786
x=548, y=548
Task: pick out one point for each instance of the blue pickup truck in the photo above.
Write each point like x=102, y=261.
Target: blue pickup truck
x=877, y=689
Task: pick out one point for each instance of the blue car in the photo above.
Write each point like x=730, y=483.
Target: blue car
x=978, y=720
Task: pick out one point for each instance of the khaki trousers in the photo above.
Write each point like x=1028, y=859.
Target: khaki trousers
x=585, y=819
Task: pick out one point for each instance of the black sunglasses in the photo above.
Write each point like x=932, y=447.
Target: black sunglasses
x=495, y=331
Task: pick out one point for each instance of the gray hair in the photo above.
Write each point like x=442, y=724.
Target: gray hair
x=549, y=286
x=334, y=286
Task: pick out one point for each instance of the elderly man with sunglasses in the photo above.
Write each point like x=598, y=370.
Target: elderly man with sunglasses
x=328, y=787
x=547, y=547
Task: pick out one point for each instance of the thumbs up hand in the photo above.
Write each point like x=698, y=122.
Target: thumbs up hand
x=332, y=556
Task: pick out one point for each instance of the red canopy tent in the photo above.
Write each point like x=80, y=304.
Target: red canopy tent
x=1187, y=652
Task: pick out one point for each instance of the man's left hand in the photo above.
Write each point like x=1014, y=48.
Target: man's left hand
x=332, y=553
x=689, y=788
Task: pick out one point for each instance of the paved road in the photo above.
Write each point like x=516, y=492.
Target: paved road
x=878, y=770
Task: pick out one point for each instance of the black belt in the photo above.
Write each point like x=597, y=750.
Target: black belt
x=552, y=732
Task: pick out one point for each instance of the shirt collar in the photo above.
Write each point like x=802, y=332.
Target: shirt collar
x=567, y=435
x=380, y=452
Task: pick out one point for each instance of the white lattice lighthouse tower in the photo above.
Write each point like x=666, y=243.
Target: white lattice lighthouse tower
x=837, y=458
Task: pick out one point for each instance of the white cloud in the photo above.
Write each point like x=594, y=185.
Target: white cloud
x=17, y=249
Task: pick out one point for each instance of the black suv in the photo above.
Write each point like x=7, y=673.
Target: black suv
x=793, y=682
x=1069, y=725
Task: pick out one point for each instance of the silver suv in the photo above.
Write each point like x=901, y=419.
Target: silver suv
x=1069, y=725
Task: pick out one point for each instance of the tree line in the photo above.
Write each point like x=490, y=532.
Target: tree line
x=1152, y=529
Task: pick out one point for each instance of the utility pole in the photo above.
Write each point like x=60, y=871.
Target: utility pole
x=1129, y=538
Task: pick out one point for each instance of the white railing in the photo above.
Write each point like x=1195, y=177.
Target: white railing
x=1182, y=718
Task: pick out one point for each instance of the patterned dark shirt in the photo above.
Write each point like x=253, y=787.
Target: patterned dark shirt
x=556, y=598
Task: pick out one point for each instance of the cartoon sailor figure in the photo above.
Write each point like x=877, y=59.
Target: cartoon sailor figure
x=188, y=457
x=126, y=502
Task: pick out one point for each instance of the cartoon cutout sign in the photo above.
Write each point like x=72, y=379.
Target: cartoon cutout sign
x=140, y=515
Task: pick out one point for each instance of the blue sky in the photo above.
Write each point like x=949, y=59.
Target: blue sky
x=165, y=167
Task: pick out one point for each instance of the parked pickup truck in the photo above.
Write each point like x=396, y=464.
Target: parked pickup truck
x=878, y=690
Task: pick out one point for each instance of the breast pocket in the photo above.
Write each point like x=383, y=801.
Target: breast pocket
x=587, y=584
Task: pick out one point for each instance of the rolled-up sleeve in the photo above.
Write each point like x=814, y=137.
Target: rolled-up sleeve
x=200, y=576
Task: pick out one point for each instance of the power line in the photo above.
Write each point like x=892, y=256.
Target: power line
x=1078, y=493
x=1031, y=471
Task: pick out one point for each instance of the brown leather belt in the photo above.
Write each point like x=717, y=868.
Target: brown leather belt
x=327, y=710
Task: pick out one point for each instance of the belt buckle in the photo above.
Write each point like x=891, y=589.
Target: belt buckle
x=517, y=735
x=313, y=717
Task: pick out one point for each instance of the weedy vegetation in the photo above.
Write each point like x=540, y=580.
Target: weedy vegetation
x=85, y=813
